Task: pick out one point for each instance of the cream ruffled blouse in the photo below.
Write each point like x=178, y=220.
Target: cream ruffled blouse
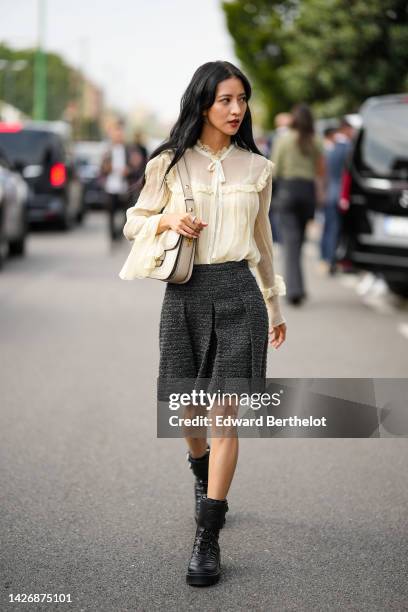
x=232, y=193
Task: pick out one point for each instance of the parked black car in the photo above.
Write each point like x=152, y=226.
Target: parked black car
x=13, y=210
x=374, y=233
x=40, y=151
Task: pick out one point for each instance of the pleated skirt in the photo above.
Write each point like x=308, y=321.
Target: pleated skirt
x=213, y=331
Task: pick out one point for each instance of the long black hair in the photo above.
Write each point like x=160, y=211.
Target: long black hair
x=303, y=122
x=198, y=97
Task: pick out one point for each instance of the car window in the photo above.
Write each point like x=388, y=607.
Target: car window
x=31, y=147
x=382, y=146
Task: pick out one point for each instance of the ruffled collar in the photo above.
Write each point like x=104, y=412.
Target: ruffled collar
x=200, y=146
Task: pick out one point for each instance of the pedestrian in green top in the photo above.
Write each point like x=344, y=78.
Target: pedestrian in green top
x=299, y=170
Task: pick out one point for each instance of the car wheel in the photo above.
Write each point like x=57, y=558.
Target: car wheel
x=400, y=288
x=17, y=247
x=3, y=242
x=65, y=222
x=3, y=249
x=80, y=215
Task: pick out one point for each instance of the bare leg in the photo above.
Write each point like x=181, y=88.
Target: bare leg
x=195, y=436
x=223, y=460
x=224, y=453
x=224, y=450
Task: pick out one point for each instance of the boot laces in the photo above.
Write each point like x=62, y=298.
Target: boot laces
x=205, y=541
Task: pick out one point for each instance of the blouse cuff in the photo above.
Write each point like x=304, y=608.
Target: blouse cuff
x=149, y=229
x=147, y=246
x=134, y=233
x=279, y=288
x=153, y=243
x=274, y=313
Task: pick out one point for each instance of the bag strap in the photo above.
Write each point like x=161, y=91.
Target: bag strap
x=185, y=183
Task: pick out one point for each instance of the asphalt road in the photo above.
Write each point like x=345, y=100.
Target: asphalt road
x=95, y=506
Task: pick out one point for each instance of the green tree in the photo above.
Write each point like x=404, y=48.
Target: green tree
x=259, y=29
x=61, y=87
x=16, y=88
x=347, y=51
x=331, y=54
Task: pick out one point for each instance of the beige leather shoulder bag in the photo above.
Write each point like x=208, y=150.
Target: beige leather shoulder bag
x=175, y=265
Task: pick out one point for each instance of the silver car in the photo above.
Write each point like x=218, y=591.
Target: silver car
x=14, y=194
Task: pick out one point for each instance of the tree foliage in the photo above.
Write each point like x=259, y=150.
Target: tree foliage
x=332, y=54
x=16, y=87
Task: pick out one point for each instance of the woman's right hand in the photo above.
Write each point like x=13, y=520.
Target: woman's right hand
x=182, y=224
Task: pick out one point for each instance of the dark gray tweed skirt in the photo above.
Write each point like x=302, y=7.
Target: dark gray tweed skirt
x=213, y=330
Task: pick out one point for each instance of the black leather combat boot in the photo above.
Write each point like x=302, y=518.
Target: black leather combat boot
x=199, y=468
x=205, y=563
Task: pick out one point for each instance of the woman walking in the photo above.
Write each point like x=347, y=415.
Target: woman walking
x=217, y=325
x=298, y=155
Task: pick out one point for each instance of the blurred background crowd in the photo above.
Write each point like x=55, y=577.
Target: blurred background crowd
x=329, y=108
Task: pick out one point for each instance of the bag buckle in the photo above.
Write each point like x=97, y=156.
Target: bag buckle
x=159, y=260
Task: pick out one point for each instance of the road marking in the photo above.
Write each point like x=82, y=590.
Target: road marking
x=379, y=304
x=373, y=292
x=403, y=329
x=349, y=280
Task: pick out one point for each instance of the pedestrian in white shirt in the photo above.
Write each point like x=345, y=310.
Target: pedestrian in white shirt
x=115, y=169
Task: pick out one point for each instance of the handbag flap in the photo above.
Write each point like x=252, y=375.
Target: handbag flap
x=170, y=239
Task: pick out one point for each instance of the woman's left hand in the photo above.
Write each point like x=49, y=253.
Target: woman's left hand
x=278, y=335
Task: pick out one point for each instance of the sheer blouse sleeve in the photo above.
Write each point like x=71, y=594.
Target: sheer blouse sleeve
x=143, y=218
x=271, y=285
